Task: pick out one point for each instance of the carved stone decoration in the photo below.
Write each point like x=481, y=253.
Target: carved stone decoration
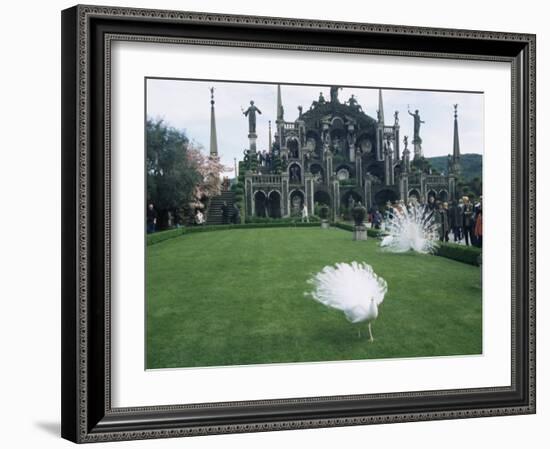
x=342, y=174
x=366, y=146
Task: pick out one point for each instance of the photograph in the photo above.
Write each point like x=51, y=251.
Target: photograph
x=300, y=223
x=273, y=221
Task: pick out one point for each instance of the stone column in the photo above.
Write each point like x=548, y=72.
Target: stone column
x=417, y=150
x=380, y=143
x=368, y=192
x=252, y=141
x=249, y=198
x=452, y=188
x=406, y=160
x=397, y=143
x=335, y=198
x=359, y=168
x=423, y=192
x=388, y=169
x=405, y=188
x=285, y=212
x=328, y=156
x=308, y=182
x=351, y=143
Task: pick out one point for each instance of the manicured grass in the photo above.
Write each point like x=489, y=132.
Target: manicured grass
x=237, y=297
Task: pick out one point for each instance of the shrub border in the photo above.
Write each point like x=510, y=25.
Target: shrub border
x=470, y=255
x=161, y=236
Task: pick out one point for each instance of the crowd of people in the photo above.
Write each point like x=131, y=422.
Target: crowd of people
x=461, y=221
x=265, y=159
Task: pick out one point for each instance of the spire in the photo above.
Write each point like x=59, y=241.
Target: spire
x=270, y=140
x=380, y=107
x=280, y=110
x=213, y=136
x=456, y=144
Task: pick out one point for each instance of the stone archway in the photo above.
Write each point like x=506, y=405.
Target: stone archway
x=260, y=202
x=350, y=199
x=293, y=148
x=322, y=197
x=296, y=199
x=374, y=167
x=414, y=193
x=295, y=173
x=385, y=195
x=317, y=171
x=274, y=204
x=443, y=195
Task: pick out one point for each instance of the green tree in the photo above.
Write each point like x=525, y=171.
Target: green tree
x=421, y=164
x=476, y=186
x=171, y=176
x=472, y=188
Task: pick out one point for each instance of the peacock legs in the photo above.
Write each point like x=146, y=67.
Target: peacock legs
x=370, y=333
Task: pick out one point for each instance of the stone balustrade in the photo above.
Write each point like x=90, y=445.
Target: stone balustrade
x=266, y=179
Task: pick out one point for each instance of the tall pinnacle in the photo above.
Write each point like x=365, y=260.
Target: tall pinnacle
x=280, y=110
x=213, y=135
x=380, y=107
x=456, y=144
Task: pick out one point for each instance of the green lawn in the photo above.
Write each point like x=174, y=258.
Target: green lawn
x=237, y=297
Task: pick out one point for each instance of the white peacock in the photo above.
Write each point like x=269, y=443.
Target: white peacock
x=412, y=228
x=353, y=288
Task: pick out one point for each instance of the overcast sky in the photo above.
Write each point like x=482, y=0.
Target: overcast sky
x=185, y=105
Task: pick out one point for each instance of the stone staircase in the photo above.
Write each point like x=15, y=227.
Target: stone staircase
x=214, y=215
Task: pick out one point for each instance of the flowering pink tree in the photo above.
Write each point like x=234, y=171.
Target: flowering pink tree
x=210, y=170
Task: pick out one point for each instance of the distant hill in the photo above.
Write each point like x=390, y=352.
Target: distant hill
x=471, y=165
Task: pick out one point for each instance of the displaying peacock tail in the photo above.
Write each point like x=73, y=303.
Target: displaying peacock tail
x=354, y=288
x=412, y=228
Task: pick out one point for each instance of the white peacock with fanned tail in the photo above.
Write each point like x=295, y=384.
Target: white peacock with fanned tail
x=353, y=288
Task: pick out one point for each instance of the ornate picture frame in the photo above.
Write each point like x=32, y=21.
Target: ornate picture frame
x=87, y=35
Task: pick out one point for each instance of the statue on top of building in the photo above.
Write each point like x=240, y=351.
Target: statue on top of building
x=334, y=94
x=251, y=114
x=417, y=122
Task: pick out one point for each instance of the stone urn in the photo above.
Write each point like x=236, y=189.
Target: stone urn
x=359, y=213
x=323, y=214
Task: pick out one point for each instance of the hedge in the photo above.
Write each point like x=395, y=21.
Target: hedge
x=161, y=236
x=312, y=218
x=466, y=254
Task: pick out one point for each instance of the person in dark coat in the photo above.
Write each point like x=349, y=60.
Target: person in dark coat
x=376, y=219
x=468, y=220
x=447, y=219
x=443, y=219
x=431, y=206
x=455, y=220
x=152, y=218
